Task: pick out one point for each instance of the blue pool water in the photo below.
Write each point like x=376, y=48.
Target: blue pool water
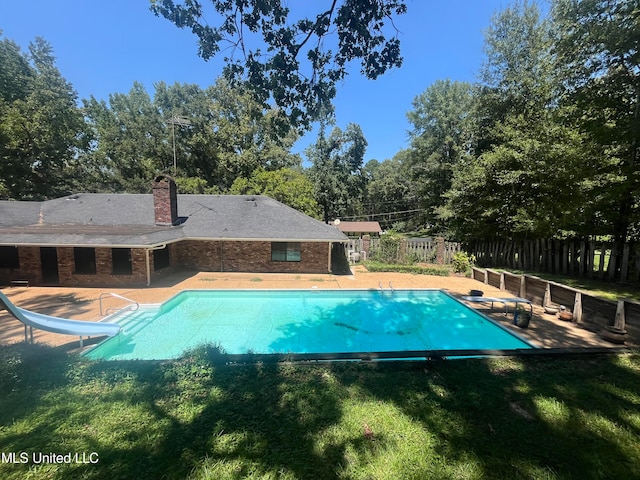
x=304, y=321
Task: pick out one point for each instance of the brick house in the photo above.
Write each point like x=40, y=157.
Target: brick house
x=132, y=239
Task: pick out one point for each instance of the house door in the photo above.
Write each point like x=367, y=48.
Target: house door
x=49, y=265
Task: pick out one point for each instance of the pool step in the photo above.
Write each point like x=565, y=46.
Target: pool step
x=136, y=321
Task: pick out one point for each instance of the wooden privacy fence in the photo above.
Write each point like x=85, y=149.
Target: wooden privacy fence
x=426, y=250
x=592, y=311
x=568, y=257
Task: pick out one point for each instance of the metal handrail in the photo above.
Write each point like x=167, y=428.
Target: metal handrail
x=133, y=305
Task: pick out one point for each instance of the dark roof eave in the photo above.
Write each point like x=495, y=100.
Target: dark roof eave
x=268, y=239
x=151, y=245
x=156, y=244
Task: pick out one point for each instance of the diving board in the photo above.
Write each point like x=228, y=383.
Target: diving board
x=504, y=301
x=64, y=326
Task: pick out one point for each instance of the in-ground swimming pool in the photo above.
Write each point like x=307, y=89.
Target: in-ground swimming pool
x=305, y=322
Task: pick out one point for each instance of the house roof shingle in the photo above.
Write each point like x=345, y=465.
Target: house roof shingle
x=128, y=220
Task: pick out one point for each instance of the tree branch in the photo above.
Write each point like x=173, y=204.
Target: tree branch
x=329, y=14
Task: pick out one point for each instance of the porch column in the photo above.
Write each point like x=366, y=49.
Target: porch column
x=148, y=262
x=366, y=245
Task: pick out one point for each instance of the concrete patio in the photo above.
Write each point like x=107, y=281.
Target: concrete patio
x=545, y=331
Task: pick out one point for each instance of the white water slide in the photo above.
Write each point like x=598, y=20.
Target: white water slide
x=64, y=326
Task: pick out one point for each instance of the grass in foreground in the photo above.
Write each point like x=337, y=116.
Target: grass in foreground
x=535, y=418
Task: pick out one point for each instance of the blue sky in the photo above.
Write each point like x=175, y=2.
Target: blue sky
x=103, y=46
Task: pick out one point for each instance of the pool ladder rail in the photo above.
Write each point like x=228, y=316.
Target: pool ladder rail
x=132, y=304
x=381, y=288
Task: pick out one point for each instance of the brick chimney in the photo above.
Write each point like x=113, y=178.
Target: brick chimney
x=165, y=200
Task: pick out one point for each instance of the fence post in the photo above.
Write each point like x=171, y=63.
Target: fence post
x=613, y=259
x=577, y=308
x=592, y=259
x=625, y=262
x=620, y=320
x=523, y=286
x=547, y=296
x=548, y=255
x=366, y=245
x=572, y=257
x=402, y=250
x=532, y=256
x=440, y=250
x=601, y=261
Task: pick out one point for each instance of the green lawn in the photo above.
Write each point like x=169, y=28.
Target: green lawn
x=533, y=418
x=600, y=288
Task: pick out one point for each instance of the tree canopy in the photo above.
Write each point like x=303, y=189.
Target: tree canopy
x=598, y=56
x=544, y=144
x=442, y=136
x=289, y=186
x=224, y=135
x=553, y=125
x=288, y=54
x=41, y=130
x=336, y=169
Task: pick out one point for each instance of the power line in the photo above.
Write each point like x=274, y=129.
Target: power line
x=372, y=215
x=392, y=203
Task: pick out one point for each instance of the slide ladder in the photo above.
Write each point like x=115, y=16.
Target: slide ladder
x=132, y=304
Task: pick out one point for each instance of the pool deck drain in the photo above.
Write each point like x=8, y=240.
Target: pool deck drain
x=545, y=331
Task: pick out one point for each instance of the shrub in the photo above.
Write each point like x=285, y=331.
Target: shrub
x=389, y=248
x=374, y=266
x=462, y=262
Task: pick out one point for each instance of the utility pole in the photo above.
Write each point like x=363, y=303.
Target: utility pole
x=183, y=122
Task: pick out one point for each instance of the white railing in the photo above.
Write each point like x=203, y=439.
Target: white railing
x=413, y=249
x=132, y=304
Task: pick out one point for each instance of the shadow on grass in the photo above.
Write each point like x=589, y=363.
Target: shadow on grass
x=264, y=419
x=521, y=418
x=508, y=418
x=167, y=419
